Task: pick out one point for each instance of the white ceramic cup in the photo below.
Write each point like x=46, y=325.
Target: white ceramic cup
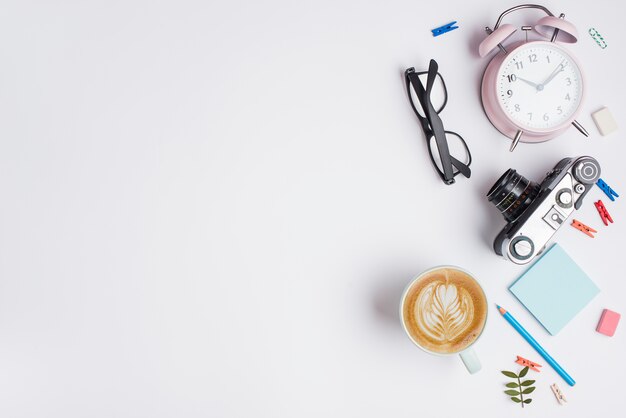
x=468, y=355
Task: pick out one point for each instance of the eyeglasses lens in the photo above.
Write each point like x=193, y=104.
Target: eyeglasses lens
x=457, y=148
x=437, y=94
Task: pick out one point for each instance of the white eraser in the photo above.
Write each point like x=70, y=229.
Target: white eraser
x=604, y=121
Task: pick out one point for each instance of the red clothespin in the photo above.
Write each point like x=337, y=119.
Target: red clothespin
x=531, y=364
x=583, y=228
x=604, y=214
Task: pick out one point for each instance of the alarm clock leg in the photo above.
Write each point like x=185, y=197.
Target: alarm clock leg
x=580, y=128
x=518, y=136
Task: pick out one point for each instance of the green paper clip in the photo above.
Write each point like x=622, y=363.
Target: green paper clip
x=598, y=38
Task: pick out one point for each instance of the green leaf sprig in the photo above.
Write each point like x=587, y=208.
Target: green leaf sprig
x=519, y=389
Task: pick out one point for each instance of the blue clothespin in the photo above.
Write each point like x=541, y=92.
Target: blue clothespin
x=445, y=28
x=607, y=189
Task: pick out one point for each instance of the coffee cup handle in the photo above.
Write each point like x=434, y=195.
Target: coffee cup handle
x=471, y=361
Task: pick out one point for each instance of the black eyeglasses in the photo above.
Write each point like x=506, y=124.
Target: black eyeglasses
x=448, y=150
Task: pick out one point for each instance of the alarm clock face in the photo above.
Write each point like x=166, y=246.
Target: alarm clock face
x=539, y=87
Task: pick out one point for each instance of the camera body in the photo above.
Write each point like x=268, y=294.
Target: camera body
x=536, y=211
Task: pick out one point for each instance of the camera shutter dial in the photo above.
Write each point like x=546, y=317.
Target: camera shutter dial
x=522, y=247
x=587, y=170
x=564, y=198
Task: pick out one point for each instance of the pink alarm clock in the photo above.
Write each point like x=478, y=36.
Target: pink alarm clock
x=532, y=91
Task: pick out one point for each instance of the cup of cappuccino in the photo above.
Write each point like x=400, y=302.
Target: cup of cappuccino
x=444, y=311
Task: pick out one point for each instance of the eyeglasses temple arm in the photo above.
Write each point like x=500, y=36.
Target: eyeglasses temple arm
x=463, y=168
x=436, y=124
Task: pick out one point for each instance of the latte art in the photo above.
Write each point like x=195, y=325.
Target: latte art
x=444, y=311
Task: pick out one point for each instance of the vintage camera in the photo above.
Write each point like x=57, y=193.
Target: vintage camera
x=534, y=212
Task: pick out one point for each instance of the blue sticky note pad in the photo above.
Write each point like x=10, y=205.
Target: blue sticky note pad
x=554, y=289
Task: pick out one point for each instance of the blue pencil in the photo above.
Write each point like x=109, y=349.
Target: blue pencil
x=536, y=346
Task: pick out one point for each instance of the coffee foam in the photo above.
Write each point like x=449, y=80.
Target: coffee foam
x=444, y=311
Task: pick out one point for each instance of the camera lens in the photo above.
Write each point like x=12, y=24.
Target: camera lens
x=512, y=194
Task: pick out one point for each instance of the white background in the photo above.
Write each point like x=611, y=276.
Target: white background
x=211, y=209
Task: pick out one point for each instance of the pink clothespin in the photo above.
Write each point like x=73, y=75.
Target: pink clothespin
x=583, y=228
x=604, y=214
x=531, y=364
x=558, y=394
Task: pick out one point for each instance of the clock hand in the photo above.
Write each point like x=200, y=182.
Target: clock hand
x=535, y=85
x=557, y=70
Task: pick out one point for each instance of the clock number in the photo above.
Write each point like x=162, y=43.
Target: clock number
x=519, y=65
x=517, y=109
x=569, y=81
x=548, y=58
x=511, y=77
x=567, y=97
x=546, y=117
x=559, y=110
x=530, y=116
x=509, y=93
x=532, y=58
